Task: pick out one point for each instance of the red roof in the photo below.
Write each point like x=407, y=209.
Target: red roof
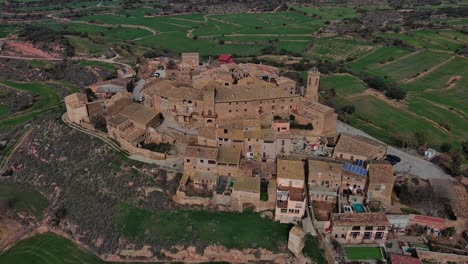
x=400, y=259
x=224, y=57
x=433, y=222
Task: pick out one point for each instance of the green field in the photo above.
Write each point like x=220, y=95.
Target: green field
x=231, y=229
x=428, y=39
x=48, y=248
x=4, y=110
x=344, y=85
x=337, y=49
x=378, y=56
x=363, y=253
x=388, y=123
x=104, y=65
x=47, y=97
x=440, y=77
x=410, y=66
x=24, y=199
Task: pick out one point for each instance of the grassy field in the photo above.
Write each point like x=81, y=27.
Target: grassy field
x=233, y=230
x=48, y=248
x=388, y=123
x=344, y=85
x=440, y=77
x=428, y=39
x=4, y=110
x=410, y=66
x=46, y=97
x=337, y=49
x=363, y=253
x=378, y=56
x=24, y=199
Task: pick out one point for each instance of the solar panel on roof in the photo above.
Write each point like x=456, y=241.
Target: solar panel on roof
x=365, y=172
x=361, y=171
x=359, y=162
x=355, y=169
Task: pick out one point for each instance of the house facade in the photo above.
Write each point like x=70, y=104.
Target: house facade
x=350, y=228
x=290, y=196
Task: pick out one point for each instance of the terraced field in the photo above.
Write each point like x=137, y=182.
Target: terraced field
x=410, y=66
x=344, y=85
x=337, y=49
x=377, y=57
x=429, y=39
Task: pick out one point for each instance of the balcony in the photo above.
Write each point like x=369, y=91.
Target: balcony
x=282, y=204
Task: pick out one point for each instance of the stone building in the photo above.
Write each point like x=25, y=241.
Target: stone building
x=84, y=113
x=354, y=147
x=325, y=178
x=256, y=92
x=296, y=240
x=290, y=197
x=380, y=183
x=218, y=160
x=359, y=227
x=204, y=180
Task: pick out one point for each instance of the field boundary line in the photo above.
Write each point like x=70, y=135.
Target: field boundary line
x=435, y=67
x=380, y=65
x=458, y=112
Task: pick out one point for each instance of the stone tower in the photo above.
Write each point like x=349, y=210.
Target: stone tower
x=208, y=113
x=313, y=80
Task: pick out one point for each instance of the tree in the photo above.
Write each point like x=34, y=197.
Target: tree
x=456, y=162
x=445, y=147
x=396, y=93
x=90, y=94
x=465, y=147
x=221, y=42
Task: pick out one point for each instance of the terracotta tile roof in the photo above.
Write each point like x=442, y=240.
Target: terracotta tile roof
x=381, y=172
x=325, y=166
x=290, y=169
x=232, y=133
x=204, y=175
x=400, y=259
x=229, y=155
x=196, y=151
x=282, y=80
x=173, y=89
x=359, y=219
x=207, y=132
x=247, y=184
x=358, y=145
x=433, y=222
x=295, y=194
x=247, y=93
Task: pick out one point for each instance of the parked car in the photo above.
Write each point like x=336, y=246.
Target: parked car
x=393, y=157
x=392, y=161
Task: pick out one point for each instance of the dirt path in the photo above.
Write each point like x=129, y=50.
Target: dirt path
x=184, y=19
x=458, y=112
x=421, y=75
x=225, y=22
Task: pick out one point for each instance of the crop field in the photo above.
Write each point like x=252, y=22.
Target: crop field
x=428, y=39
x=344, y=85
x=454, y=122
x=104, y=65
x=440, y=78
x=231, y=229
x=48, y=248
x=410, y=66
x=24, y=199
x=337, y=49
x=378, y=56
x=388, y=123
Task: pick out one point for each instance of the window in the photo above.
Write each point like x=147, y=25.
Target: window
x=342, y=235
x=290, y=183
x=225, y=131
x=379, y=235
x=272, y=107
x=230, y=111
x=352, y=157
x=211, y=162
x=367, y=235
x=380, y=228
x=341, y=156
x=377, y=187
x=245, y=110
x=369, y=228
x=336, y=235
x=291, y=211
x=298, y=205
x=284, y=210
x=188, y=160
x=202, y=161
x=354, y=235
x=356, y=228
x=296, y=211
x=229, y=103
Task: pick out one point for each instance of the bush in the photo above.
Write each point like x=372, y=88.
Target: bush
x=396, y=93
x=161, y=147
x=309, y=126
x=313, y=250
x=150, y=54
x=407, y=210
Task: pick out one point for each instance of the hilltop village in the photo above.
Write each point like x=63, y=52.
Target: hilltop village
x=246, y=138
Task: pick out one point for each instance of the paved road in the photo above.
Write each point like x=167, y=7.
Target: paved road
x=409, y=163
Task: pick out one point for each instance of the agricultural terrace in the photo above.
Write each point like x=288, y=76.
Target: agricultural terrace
x=430, y=39
x=410, y=66
x=344, y=85
x=24, y=199
x=390, y=123
x=363, y=253
x=48, y=248
x=337, y=49
x=376, y=57
x=231, y=229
